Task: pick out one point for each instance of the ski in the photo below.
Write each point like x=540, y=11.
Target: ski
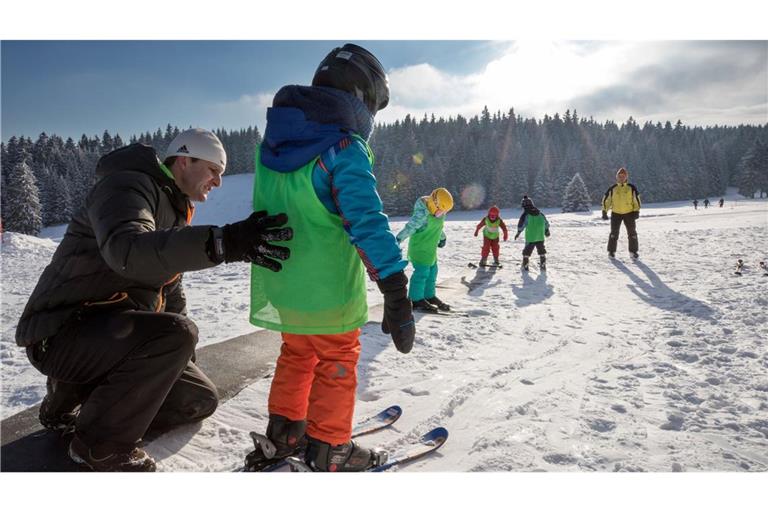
x=475, y=265
x=426, y=444
x=439, y=312
x=382, y=420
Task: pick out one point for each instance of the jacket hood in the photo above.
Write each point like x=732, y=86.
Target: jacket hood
x=136, y=157
x=142, y=158
x=303, y=122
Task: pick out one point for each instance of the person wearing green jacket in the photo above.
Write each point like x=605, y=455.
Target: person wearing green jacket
x=425, y=229
x=536, y=227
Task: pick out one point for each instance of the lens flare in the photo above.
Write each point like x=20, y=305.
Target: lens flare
x=472, y=196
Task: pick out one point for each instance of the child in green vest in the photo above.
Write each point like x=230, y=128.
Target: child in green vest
x=425, y=228
x=536, y=227
x=490, y=226
x=315, y=163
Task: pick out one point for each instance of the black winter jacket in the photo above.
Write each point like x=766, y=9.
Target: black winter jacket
x=126, y=248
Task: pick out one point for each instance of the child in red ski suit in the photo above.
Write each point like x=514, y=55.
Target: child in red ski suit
x=491, y=224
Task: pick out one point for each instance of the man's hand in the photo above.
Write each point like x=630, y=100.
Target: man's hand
x=248, y=239
x=605, y=215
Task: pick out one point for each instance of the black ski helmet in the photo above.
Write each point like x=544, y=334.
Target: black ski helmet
x=354, y=69
x=526, y=203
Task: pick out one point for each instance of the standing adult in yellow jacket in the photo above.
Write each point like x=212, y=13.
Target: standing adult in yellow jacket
x=623, y=200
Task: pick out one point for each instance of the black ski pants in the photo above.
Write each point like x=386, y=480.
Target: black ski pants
x=130, y=370
x=629, y=222
x=540, y=249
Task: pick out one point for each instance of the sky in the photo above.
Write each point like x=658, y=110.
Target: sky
x=129, y=87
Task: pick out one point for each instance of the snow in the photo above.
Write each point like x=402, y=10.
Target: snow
x=651, y=365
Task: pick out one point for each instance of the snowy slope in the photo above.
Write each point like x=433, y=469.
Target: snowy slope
x=656, y=365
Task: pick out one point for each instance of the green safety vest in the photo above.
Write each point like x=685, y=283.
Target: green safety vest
x=422, y=248
x=534, y=230
x=491, y=229
x=321, y=288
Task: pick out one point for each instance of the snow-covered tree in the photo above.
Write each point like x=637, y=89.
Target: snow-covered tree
x=22, y=211
x=576, y=198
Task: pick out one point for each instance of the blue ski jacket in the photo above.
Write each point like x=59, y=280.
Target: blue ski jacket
x=307, y=122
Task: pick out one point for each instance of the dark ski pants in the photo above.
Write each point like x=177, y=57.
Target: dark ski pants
x=540, y=249
x=629, y=222
x=131, y=370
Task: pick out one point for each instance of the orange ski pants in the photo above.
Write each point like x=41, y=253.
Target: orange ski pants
x=316, y=379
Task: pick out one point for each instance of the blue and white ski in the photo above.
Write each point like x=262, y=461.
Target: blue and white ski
x=426, y=444
x=382, y=420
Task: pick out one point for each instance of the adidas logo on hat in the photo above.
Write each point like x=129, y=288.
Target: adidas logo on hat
x=183, y=149
x=199, y=143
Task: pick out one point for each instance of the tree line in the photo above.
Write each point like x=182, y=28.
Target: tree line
x=490, y=159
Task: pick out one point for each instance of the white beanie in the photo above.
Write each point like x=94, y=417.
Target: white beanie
x=198, y=143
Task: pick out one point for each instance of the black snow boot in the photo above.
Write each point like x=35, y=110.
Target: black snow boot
x=60, y=406
x=284, y=438
x=634, y=254
x=109, y=460
x=611, y=254
x=442, y=306
x=347, y=457
x=543, y=262
x=525, y=263
x=423, y=305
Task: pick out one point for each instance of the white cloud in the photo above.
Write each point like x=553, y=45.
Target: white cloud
x=247, y=110
x=676, y=79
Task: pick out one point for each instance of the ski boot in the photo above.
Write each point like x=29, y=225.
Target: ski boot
x=423, y=305
x=284, y=438
x=442, y=306
x=611, y=254
x=496, y=262
x=483, y=262
x=347, y=457
x=524, y=266
x=543, y=262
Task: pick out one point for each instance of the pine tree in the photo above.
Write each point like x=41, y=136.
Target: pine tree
x=22, y=213
x=749, y=179
x=576, y=198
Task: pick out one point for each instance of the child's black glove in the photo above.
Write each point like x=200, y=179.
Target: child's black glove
x=441, y=243
x=398, y=311
x=517, y=235
x=546, y=233
x=247, y=240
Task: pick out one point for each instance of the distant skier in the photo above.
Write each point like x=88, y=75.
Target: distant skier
x=536, y=227
x=695, y=204
x=425, y=228
x=490, y=225
x=315, y=164
x=706, y=203
x=722, y=201
x=623, y=200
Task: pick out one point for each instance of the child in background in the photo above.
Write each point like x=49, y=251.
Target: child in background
x=425, y=228
x=536, y=227
x=491, y=224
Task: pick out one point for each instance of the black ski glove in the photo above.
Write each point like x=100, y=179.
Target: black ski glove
x=398, y=311
x=247, y=240
x=605, y=215
x=636, y=215
x=518, y=235
x=441, y=243
x=546, y=233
